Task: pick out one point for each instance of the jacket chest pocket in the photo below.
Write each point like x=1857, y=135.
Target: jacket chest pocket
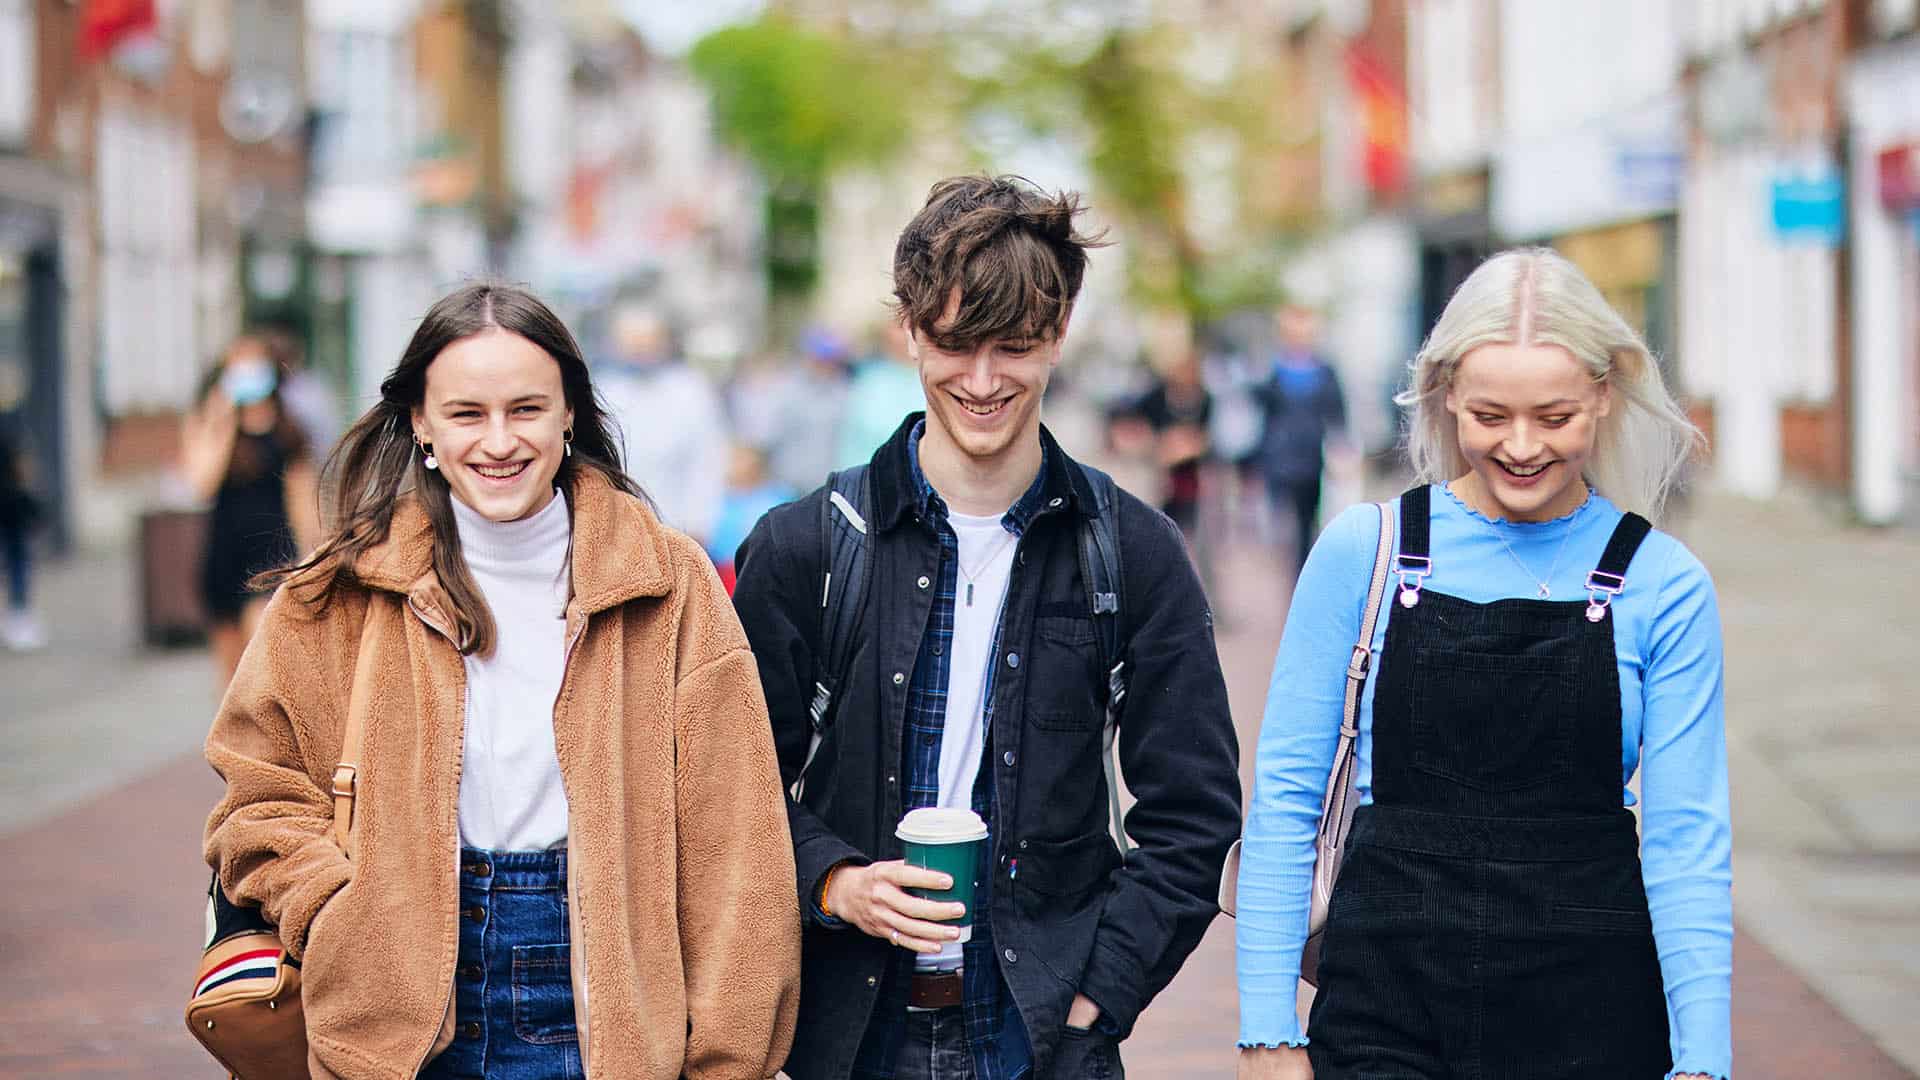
x=1063, y=691
x=1494, y=721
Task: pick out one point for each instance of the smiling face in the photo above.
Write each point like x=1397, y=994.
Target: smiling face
x=496, y=416
x=984, y=398
x=1527, y=417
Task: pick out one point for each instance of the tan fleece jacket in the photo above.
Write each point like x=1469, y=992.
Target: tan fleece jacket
x=686, y=947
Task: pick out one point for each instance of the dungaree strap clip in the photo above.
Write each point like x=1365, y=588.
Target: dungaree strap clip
x=1602, y=587
x=1413, y=571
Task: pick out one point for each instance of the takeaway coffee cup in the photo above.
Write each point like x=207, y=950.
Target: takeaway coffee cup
x=946, y=841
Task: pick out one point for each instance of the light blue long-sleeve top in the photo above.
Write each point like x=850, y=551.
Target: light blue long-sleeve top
x=1666, y=629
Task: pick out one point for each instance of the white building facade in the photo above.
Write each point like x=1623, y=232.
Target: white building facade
x=1883, y=109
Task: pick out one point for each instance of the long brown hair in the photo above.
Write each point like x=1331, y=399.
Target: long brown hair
x=376, y=460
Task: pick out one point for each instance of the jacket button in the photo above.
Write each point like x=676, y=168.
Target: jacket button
x=1023, y=845
x=1013, y=659
x=1056, y=501
x=1012, y=957
x=899, y=677
x=477, y=913
x=470, y=971
x=924, y=581
x=1010, y=759
x=892, y=780
x=873, y=980
x=470, y=1030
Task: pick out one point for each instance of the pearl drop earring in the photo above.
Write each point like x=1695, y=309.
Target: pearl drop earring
x=432, y=463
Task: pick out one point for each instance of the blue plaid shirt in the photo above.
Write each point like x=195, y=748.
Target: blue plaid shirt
x=995, y=1033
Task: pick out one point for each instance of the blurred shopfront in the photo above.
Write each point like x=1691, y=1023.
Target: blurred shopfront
x=1883, y=102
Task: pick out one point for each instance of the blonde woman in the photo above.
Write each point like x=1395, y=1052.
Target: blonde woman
x=568, y=850
x=1495, y=916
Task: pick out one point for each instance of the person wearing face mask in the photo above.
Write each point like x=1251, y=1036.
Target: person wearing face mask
x=245, y=454
x=1496, y=914
x=567, y=851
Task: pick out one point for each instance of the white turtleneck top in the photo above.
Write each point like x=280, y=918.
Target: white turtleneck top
x=511, y=798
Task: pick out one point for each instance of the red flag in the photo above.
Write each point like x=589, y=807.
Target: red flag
x=104, y=24
x=1383, y=122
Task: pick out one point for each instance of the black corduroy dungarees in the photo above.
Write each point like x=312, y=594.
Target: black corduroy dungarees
x=1490, y=920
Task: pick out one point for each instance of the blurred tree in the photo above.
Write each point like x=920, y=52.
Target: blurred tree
x=1175, y=120
x=800, y=105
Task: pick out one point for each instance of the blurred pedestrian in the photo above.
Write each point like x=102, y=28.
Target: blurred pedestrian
x=314, y=405
x=672, y=432
x=1496, y=913
x=1303, y=411
x=973, y=694
x=885, y=387
x=798, y=407
x=243, y=451
x=750, y=494
x=20, y=511
x=1178, y=407
x=567, y=836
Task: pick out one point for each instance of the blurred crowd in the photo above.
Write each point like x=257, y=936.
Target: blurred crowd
x=1245, y=438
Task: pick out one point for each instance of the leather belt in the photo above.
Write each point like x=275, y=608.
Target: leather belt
x=935, y=989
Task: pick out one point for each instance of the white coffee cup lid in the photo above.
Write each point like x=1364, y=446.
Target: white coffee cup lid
x=940, y=825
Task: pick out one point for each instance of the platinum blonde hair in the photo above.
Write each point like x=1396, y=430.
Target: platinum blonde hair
x=1534, y=296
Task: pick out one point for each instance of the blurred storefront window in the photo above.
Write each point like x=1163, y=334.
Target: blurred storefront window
x=149, y=358
x=17, y=71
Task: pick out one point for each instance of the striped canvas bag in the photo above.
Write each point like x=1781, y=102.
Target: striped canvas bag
x=245, y=1007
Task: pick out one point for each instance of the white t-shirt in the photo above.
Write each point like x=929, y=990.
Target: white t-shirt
x=511, y=797
x=986, y=563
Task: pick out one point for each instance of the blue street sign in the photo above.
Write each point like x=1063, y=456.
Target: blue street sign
x=1809, y=208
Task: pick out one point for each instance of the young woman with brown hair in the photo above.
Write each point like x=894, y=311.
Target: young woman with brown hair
x=568, y=844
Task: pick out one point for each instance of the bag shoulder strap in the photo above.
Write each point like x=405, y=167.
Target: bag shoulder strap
x=1339, y=802
x=1100, y=570
x=846, y=543
x=1362, y=658
x=346, y=775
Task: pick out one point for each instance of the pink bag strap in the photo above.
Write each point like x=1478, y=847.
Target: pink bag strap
x=1336, y=813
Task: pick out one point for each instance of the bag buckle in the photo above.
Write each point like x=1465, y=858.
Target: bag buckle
x=1357, y=665
x=345, y=778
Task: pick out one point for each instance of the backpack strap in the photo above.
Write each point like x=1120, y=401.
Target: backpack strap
x=1100, y=570
x=847, y=544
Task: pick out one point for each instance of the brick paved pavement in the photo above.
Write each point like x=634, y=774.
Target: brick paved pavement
x=101, y=917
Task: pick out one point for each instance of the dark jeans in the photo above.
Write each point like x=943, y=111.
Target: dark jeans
x=935, y=1047
x=513, y=984
x=1301, y=498
x=13, y=543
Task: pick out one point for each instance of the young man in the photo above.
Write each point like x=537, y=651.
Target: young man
x=976, y=682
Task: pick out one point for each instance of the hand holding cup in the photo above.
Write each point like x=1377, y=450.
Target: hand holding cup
x=874, y=898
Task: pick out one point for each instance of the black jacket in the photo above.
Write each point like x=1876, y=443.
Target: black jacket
x=1074, y=918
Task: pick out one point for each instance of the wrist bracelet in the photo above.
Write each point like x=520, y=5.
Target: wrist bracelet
x=825, y=882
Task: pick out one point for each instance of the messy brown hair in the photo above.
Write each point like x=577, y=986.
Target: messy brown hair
x=1009, y=247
